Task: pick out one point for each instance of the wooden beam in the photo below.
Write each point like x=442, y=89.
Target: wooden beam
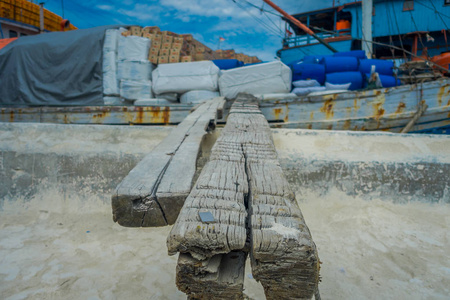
x=153, y=193
x=219, y=277
x=252, y=209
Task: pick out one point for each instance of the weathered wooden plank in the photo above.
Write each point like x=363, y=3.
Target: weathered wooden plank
x=219, y=277
x=154, y=191
x=254, y=209
x=283, y=255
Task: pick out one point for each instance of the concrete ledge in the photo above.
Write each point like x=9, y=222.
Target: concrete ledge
x=386, y=166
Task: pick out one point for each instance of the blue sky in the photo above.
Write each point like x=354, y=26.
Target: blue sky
x=245, y=28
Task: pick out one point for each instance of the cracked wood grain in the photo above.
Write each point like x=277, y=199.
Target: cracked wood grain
x=153, y=193
x=255, y=211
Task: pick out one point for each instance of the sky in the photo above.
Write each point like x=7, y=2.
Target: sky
x=244, y=27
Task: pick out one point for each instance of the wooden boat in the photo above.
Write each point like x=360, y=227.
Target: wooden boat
x=387, y=109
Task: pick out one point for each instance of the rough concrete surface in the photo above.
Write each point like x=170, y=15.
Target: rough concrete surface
x=58, y=240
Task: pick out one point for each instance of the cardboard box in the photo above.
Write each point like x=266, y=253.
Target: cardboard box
x=167, y=39
x=174, y=59
x=163, y=59
x=154, y=51
x=153, y=59
x=177, y=39
x=199, y=49
x=187, y=37
x=148, y=35
x=186, y=58
x=199, y=57
x=174, y=52
x=164, y=52
x=166, y=46
x=151, y=29
x=156, y=44
x=169, y=33
x=135, y=30
x=158, y=37
x=177, y=46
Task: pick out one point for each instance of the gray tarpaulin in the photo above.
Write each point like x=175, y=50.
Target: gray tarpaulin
x=57, y=68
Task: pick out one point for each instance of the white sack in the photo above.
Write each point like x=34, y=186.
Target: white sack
x=198, y=96
x=133, y=90
x=306, y=90
x=133, y=48
x=107, y=100
x=110, y=83
x=134, y=70
x=330, y=86
x=168, y=96
x=152, y=102
x=267, y=78
x=306, y=83
x=110, y=41
x=183, y=77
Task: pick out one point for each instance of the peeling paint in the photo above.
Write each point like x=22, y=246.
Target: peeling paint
x=286, y=117
x=327, y=109
x=440, y=94
x=400, y=108
x=277, y=112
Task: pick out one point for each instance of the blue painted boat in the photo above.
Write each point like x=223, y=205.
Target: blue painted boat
x=386, y=109
x=398, y=28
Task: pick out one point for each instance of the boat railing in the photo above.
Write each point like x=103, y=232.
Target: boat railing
x=302, y=40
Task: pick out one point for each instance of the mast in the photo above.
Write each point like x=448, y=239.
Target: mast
x=367, y=10
x=300, y=25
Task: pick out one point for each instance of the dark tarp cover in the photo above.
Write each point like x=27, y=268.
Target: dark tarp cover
x=57, y=68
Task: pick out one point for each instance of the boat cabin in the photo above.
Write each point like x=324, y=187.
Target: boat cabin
x=420, y=27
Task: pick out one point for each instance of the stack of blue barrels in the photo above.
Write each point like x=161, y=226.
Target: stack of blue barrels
x=342, y=68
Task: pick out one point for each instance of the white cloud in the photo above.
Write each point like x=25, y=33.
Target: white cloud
x=105, y=7
x=143, y=12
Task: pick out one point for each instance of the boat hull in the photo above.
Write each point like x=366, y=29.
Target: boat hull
x=388, y=109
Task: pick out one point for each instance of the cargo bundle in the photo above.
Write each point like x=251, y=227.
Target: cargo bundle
x=170, y=47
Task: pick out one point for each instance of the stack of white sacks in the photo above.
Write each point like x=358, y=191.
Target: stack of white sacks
x=130, y=79
x=126, y=69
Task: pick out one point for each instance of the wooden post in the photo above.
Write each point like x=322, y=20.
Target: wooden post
x=252, y=209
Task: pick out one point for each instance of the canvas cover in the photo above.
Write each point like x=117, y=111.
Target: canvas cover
x=267, y=78
x=57, y=68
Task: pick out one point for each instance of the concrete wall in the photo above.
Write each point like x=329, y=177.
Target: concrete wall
x=80, y=165
x=387, y=166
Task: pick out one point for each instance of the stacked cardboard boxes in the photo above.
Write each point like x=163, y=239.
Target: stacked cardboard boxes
x=170, y=47
x=29, y=13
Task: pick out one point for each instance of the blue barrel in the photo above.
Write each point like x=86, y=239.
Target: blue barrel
x=387, y=80
x=360, y=54
x=225, y=64
x=382, y=67
x=355, y=78
x=302, y=71
x=340, y=64
x=314, y=59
